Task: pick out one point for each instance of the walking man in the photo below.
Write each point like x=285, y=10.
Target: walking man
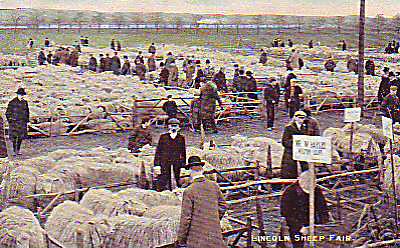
x=208, y=98
x=203, y=207
x=295, y=127
x=270, y=97
x=92, y=63
x=17, y=115
x=170, y=152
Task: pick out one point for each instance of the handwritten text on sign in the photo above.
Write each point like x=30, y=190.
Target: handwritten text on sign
x=352, y=114
x=314, y=149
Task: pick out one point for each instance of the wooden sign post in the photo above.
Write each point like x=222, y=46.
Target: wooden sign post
x=387, y=126
x=312, y=149
x=352, y=115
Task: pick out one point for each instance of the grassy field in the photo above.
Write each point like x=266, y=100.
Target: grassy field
x=11, y=41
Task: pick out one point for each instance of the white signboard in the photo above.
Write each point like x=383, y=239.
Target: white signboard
x=387, y=126
x=314, y=149
x=352, y=114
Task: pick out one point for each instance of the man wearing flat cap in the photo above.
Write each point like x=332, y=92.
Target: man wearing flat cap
x=203, y=207
x=17, y=115
x=391, y=104
x=170, y=152
x=296, y=127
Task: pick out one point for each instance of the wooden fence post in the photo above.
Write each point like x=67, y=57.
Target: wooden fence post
x=249, y=232
x=339, y=207
x=269, y=161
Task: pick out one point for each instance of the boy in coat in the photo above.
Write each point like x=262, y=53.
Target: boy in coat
x=203, y=206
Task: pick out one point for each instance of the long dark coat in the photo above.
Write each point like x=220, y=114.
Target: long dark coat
x=18, y=117
x=263, y=58
x=220, y=81
x=107, y=64
x=164, y=75
x=384, y=88
x=288, y=165
x=126, y=68
x=203, y=207
x=170, y=151
x=151, y=63
x=141, y=71
x=92, y=64
x=295, y=207
x=116, y=64
x=139, y=138
x=208, y=98
x=41, y=58
x=391, y=106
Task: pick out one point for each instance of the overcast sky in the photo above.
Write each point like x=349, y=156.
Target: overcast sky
x=287, y=7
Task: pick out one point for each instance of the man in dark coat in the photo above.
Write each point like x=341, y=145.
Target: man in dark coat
x=152, y=48
x=270, y=97
x=49, y=58
x=220, y=80
x=344, y=45
x=370, y=67
x=139, y=58
x=208, y=98
x=140, y=136
x=74, y=58
x=126, y=67
x=41, y=57
x=164, y=74
x=170, y=107
x=107, y=62
x=170, y=151
x=200, y=77
x=92, y=63
x=296, y=99
x=312, y=124
x=310, y=44
x=151, y=63
x=141, y=71
x=352, y=65
x=263, y=57
x=295, y=207
x=290, y=42
x=116, y=64
x=119, y=47
x=287, y=86
x=391, y=104
x=203, y=207
x=251, y=85
x=47, y=42
x=102, y=61
x=295, y=127
x=18, y=118
x=384, y=86
x=112, y=44
x=240, y=84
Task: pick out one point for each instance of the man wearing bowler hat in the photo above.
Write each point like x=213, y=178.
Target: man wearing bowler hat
x=170, y=151
x=17, y=115
x=203, y=206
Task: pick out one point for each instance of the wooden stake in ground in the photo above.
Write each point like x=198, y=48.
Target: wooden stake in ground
x=312, y=203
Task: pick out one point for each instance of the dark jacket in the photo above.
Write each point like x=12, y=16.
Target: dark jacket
x=49, y=58
x=152, y=49
x=41, y=58
x=92, y=64
x=18, y=117
x=139, y=138
x=170, y=151
x=251, y=85
x=102, y=64
x=294, y=207
x=391, y=106
x=116, y=64
x=271, y=94
x=263, y=58
x=220, y=81
x=312, y=125
x=164, y=75
x=203, y=206
x=288, y=165
x=384, y=88
x=126, y=68
x=107, y=63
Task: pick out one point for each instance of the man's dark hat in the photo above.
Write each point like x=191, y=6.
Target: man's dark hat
x=21, y=91
x=194, y=161
x=249, y=73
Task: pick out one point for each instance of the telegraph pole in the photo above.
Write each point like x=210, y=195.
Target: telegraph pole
x=361, y=47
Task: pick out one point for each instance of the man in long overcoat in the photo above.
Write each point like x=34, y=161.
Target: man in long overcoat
x=208, y=98
x=164, y=74
x=92, y=63
x=107, y=62
x=151, y=63
x=384, y=86
x=391, y=104
x=220, y=80
x=126, y=67
x=41, y=57
x=370, y=67
x=102, y=61
x=296, y=127
x=170, y=152
x=271, y=95
x=18, y=118
x=203, y=206
x=295, y=207
x=116, y=64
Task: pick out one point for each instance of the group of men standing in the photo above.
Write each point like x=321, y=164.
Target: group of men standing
x=61, y=56
x=389, y=94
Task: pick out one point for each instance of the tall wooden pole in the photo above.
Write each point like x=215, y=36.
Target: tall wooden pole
x=361, y=47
